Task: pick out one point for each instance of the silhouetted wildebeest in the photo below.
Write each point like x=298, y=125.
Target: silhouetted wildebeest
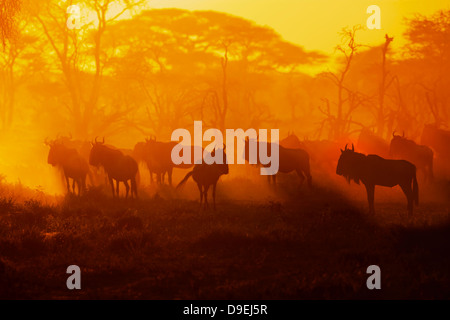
x=72, y=163
x=206, y=175
x=141, y=155
x=83, y=147
x=118, y=166
x=160, y=158
x=292, y=142
x=373, y=170
x=438, y=139
x=420, y=156
x=369, y=142
x=288, y=159
x=322, y=153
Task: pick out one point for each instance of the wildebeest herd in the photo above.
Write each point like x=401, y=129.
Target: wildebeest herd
x=381, y=163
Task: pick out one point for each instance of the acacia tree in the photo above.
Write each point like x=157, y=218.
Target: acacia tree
x=428, y=51
x=14, y=69
x=199, y=65
x=76, y=50
x=8, y=11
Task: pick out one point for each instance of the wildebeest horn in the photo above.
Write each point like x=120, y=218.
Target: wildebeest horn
x=353, y=147
x=403, y=134
x=96, y=139
x=393, y=134
x=103, y=141
x=346, y=146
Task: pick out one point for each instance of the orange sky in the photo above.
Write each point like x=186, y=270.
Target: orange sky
x=314, y=23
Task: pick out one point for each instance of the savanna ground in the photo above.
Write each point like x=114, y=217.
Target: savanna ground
x=258, y=244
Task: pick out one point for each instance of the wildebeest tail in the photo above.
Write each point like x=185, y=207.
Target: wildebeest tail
x=415, y=190
x=184, y=179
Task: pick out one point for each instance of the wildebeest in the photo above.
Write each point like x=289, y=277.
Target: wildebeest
x=142, y=155
x=118, y=166
x=207, y=175
x=289, y=160
x=420, y=156
x=159, y=159
x=159, y=155
x=438, y=139
x=74, y=166
x=292, y=142
x=373, y=170
x=84, y=149
x=322, y=153
x=369, y=142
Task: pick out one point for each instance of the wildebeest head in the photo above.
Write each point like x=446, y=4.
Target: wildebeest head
x=95, y=157
x=152, y=145
x=399, y=145
x=56, y=153
x=348, y=164
x=398, y=137
x=292, y=142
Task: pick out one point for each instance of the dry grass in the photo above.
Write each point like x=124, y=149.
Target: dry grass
x=288, y=244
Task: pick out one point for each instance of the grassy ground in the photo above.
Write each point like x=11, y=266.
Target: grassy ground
x=288, y=244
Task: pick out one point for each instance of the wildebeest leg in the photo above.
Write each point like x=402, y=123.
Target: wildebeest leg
x=75, y=183
x=78, y=183
x=206, y=196
x=151, y=173
x=169, y=176
x=409, y=197
x=214, y=195
x=83, y=184
x=134, y=188
x=127, y=188
x=201, y=193
x=68, y=184
x=111, y=182
x=370, y=188
x=117, y=188
x=301, y=176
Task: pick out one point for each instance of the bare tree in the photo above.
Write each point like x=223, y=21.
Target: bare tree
x=67, y=44
x=340, y=121
x=8, y=11
x=384, y=85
